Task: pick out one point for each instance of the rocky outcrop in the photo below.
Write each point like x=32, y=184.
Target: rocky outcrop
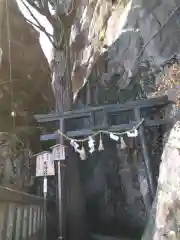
x=121, y=50
x=15, y=168
x=165, y=218
x=135, y=34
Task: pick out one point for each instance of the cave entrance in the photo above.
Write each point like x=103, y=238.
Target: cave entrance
x=110, y=197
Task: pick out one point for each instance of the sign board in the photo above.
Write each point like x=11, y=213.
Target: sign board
x=58, y=152
x=44, y=164
x=47, y=137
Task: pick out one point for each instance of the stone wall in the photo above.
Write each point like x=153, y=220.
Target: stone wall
x=14, y=162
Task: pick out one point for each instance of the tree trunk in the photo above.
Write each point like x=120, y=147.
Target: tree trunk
x=73, y=203
x=165, y=216
x=61, y=82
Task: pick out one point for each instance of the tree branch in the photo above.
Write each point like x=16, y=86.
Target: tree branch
x=38, y=25
x=32, y=3
x=42, y=29
x=44, y=10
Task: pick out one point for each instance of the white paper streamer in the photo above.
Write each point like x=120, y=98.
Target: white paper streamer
x=91, y=142
x=75, y=145
x=82, y=153
x=133, y=133
x=72, y=142
x=91, y=145
x=92, y=149
x=114, y=137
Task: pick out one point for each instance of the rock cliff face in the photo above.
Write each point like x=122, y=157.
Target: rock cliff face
x=124, y=50
x=134, y=35
x=14, y=163
x=165, y=217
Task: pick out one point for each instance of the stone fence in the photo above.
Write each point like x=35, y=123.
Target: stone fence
x=21, y=215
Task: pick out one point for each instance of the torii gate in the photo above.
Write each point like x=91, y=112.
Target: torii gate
x=107, y=111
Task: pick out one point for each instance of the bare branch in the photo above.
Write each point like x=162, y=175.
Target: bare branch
x=34, y=5
x=38, y=25
x=43, y=9
x=57, y=22
x=50, y=36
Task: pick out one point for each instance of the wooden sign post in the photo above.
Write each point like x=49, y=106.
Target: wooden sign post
x=58, y=154
x=44, y=168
